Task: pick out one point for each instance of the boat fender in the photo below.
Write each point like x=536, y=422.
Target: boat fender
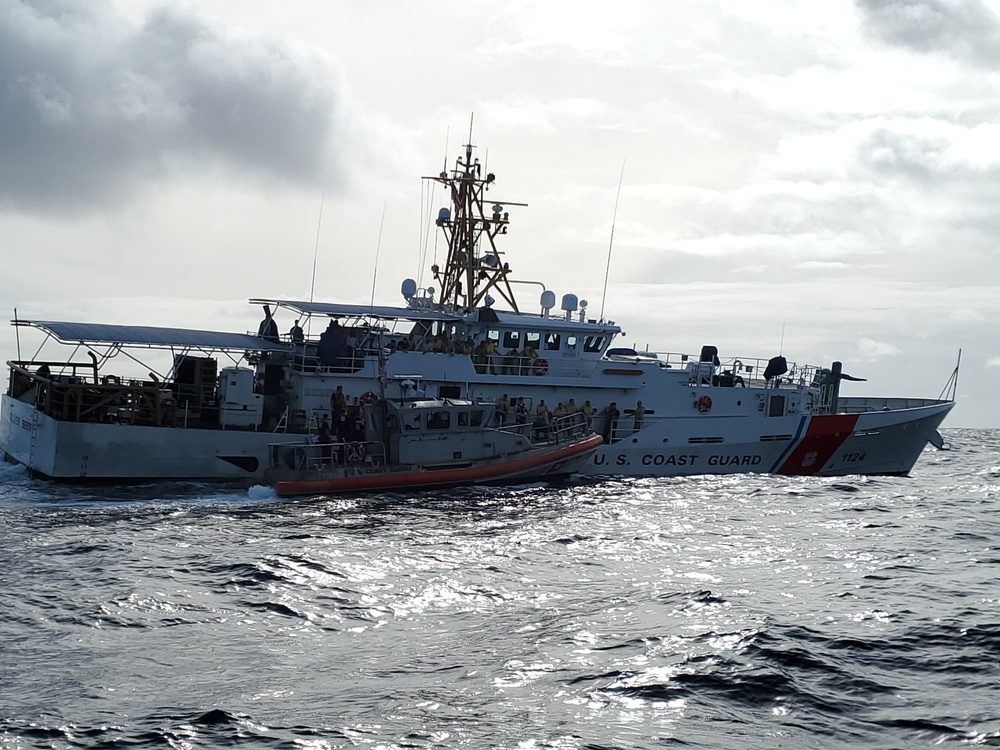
x=368, y=398
x=355, y=453
x=704, y=404
x=539, y=366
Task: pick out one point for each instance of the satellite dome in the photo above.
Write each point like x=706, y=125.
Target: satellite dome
x=548, y=300
x=408, y=288
x=569, y=302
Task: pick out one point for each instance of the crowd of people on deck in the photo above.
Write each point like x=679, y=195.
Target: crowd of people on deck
x=346, y=419
x=485, y=354
x=346, y=423
x=339, y=347
x=542, y=419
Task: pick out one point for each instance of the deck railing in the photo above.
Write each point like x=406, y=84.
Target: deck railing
x=78, y=394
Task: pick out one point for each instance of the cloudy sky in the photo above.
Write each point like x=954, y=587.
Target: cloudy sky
x=819, y=179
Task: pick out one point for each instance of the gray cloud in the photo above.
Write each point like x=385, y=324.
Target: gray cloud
x=964, y=29
x=891, y=154
x=93, y=108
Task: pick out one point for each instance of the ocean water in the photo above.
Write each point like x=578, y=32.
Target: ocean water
x=704, y=612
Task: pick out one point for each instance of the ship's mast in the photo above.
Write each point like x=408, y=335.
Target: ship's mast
x=473, y=267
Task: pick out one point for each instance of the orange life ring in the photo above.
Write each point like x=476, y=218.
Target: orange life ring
x=368, y=398
x=355, y=452
x=704, y=404
x=539, y=366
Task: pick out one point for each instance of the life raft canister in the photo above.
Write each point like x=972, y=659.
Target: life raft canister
x=704, y=404
x=539, y=366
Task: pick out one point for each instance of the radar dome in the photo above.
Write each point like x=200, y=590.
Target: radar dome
x=548, y=300
x=569, y=302
x=408, y=288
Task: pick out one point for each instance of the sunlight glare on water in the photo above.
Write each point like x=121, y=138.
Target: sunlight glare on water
x=735, y=611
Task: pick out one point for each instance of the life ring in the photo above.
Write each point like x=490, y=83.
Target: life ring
x=703, y=404
x=539, y=366
x=355, y=453
x=368, y=398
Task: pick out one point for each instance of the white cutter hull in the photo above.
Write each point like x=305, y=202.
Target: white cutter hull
x=877, y=442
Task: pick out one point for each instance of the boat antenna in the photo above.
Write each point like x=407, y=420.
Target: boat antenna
x=781, y=342
x=447, y=136
x=17, y=335
x=611, y=243
x=312, y=285
x=378, y=246
x=444, y=171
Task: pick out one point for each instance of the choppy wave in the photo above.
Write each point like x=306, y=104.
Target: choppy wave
x=737, y=611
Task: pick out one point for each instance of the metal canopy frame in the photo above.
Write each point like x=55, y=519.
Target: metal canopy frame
x=151, y=337
x=378, y=312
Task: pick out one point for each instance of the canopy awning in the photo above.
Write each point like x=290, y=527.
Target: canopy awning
x=151, y=336
x=379, y=312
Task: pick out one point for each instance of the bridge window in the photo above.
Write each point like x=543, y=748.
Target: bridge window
x=593, y=343
x=511, y=340
x=473, y=418
x=552, y=341
x=532, y=339
x=438, y=420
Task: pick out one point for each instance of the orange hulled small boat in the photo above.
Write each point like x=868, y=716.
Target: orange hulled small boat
x=430, y=443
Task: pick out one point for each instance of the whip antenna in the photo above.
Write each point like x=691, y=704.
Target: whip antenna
x=444, y=163
x=312, y=285
x=614, y=218
x=378, y=246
